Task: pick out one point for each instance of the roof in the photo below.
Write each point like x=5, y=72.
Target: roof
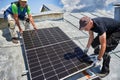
x=50, y=7
x=1, y=15
x=12, y=62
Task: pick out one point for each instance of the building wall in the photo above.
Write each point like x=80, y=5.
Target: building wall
x=49, y=16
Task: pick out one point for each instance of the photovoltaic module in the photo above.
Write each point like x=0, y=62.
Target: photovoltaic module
x=52, y=55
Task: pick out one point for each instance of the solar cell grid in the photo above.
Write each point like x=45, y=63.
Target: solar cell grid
x=55, y=63
x=35, y=69
x=33, y=59
x=48, y=69
x=52, y=62
x=43, y=37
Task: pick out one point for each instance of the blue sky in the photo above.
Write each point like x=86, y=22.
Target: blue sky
x=68, y=5
x=35, y=5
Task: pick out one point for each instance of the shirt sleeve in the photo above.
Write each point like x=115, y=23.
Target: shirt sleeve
x=14, y=9
x=102, y=29
x=28, y=9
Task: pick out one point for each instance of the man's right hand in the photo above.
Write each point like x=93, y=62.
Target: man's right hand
x=21, y=31
x=86, y=50
x=35, y=28
x=97, y=62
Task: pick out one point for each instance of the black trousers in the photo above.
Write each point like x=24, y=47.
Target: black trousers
x=112, y=42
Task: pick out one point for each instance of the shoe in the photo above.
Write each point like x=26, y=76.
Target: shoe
x=15, y=40
x=103, y=74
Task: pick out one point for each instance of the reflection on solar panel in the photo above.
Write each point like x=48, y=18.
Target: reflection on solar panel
x=53, y=60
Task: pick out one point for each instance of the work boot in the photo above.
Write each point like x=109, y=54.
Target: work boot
x=103, y=74
x=105, y=68
x=15, y=40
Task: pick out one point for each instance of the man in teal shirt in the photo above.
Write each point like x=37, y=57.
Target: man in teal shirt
x=17, y=11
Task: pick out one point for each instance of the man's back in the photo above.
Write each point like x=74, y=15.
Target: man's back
x=104, y=24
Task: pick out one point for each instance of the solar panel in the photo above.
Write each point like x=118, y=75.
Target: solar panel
x=43, y=37
x=54, y=61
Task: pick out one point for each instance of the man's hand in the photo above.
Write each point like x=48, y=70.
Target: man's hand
x=97, y=62
x=21, y=31
x=86, y=50
x=35, y=28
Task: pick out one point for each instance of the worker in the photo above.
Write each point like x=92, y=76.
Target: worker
x=107, y=39
x=18, y=11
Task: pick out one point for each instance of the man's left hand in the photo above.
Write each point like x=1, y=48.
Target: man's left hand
x=97, y=62
x=86, y=50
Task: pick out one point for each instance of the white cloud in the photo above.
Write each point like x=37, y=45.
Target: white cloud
x=70, y=4
x=110, y=1
x=88, y=5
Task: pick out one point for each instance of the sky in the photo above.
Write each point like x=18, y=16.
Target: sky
x=35, y=5
x=67, y=5
x=88, y=5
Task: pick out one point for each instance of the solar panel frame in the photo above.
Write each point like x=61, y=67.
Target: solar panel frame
x=53, y=58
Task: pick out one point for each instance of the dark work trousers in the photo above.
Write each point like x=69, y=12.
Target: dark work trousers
x=112, y=42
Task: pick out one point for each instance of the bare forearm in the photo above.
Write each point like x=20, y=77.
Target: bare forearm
x=17, y=21
x=32, y=21
x=102, y=51
x=102, y=39
x=89, y=42
x=18, y=24
x=91, y=37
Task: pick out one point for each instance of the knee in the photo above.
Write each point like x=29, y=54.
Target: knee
x=11, y=24
x=106, y=56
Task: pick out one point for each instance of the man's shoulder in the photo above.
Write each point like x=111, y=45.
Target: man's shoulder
x=14, y=5
x=103, y=18
x=17, y=4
